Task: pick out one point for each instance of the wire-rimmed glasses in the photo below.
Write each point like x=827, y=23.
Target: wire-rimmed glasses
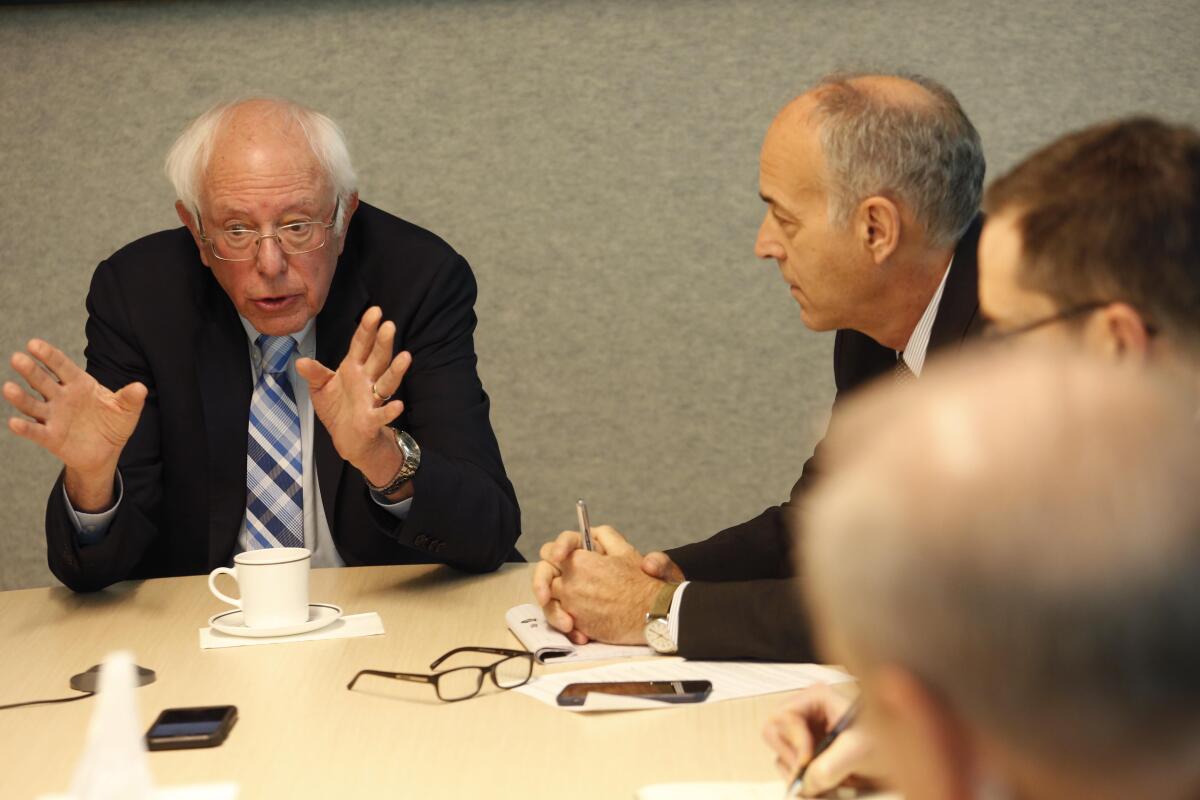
x=463, y=683
x=242, y=243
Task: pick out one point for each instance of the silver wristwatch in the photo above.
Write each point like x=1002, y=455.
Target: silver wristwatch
x=658, y=621
x=410, y=451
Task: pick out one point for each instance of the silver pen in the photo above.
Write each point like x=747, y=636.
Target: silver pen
x=585, y=527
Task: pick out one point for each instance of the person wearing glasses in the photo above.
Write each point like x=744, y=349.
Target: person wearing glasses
x=1094, y=242
x=1091, y=244
x=290, y=368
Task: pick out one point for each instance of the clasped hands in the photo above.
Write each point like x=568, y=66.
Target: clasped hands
x=86, y=426
x=603, y=594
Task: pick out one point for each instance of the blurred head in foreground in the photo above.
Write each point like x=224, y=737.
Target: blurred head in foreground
x=1094, y=241
x=1007, y=555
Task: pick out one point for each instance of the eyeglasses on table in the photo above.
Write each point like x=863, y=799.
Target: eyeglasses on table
x=463, y=683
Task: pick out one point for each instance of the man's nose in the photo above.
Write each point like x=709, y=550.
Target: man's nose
x=271, y=258
x=767, y=245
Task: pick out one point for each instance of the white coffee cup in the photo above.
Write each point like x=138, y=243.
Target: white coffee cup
x=273, y=583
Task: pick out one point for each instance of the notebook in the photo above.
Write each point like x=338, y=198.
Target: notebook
x=528, y=624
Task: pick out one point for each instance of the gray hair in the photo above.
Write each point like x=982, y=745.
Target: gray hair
x=1023, y=535
x=188, y=158
x=927, y=156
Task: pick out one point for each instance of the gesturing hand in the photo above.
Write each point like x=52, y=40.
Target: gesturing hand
x=79, y=421
x=351, y=402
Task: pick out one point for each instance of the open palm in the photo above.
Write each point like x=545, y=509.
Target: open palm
x=73, y=416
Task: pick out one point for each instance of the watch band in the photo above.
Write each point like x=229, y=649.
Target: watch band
x=661, y=607
x=410, y=453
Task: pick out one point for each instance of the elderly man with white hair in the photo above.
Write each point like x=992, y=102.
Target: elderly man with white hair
x=290, y=368
x=1021, y=604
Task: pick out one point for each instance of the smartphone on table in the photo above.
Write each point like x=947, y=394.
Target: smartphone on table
x=181, y=728
x=666, y=691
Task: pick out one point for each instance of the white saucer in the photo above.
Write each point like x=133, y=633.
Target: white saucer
x=234, y=624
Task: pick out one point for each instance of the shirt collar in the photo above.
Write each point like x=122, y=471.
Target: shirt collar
x=918, y=342
x=306, y=337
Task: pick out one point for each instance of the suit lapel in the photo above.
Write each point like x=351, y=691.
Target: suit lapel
x=958, y=312
x=223, y=376
x=336, y=323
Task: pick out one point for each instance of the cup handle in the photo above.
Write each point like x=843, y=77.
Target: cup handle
x=212, y=585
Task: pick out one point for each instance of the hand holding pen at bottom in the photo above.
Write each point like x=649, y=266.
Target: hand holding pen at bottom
x=817, y=748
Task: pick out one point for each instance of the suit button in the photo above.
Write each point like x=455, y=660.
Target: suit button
x=421, y=540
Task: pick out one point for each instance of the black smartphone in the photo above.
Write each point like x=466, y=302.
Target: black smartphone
x=181, y=728
x=666, y=691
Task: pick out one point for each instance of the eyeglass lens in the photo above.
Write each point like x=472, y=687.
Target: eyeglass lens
x=461, y=683
x=513, y=671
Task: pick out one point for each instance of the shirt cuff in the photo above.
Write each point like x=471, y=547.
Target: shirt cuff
x=673, y=614
x=398, y=510
x=91, y=528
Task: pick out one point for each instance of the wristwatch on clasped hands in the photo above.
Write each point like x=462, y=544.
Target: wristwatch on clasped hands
x=410, y=451
x=658, y=621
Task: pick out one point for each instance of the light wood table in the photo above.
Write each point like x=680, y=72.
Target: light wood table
x=301, y=734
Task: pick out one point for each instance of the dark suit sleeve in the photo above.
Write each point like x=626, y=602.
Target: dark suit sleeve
x=744, y=619
x=115, y=360
x=464, y=511
x=742, y=601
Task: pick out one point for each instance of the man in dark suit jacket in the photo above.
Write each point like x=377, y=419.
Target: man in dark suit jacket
x=400, y=463
x=872, y=185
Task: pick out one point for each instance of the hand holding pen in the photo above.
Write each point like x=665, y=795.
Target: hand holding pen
x=797, y=785
x=799, y=733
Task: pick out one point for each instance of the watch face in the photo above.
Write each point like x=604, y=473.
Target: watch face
x=657, y=636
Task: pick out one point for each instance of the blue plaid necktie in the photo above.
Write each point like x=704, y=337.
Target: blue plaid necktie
x=274, y=471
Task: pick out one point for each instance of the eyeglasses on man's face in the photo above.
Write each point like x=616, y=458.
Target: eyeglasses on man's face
x=513, y=669
x=995, y=334
x=240, y=243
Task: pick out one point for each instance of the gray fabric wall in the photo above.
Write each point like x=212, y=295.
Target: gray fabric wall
x=595, y=161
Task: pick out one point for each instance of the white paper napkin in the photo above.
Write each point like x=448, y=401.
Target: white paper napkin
x=368, y=624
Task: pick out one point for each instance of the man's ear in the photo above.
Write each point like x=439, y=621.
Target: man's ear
x=879, y=227
x=1120, y=332
x=944, y=756
x=190, y=222
x=350, y=207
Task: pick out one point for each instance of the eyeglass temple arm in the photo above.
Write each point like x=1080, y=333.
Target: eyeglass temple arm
x=498, y=651
x=400, y=676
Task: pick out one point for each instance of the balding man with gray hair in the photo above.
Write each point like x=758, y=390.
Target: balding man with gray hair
x=872, y=185
x=1021, y=604
x=291, y=368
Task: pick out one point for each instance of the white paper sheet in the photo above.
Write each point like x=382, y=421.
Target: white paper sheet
x=730, y=680
x=529, y=625
x=368, y=624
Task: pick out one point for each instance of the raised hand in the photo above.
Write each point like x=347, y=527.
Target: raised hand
x=75, y=418
x=352, y=402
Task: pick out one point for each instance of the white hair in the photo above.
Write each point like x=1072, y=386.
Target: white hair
x=188, y=158
x=1024, y=536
